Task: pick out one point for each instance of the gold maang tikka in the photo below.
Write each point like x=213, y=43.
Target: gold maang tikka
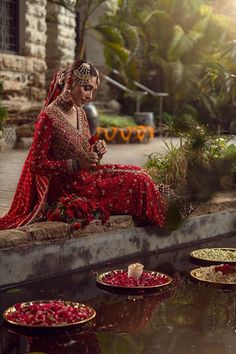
x=81, y=75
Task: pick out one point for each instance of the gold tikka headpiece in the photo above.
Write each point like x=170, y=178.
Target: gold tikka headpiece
x=81, y=75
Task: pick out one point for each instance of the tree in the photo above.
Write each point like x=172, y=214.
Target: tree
x=183, y=47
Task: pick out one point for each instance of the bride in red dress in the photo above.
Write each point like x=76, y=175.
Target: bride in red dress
x=62, y=178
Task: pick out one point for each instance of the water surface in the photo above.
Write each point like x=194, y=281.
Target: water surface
x=187, y=318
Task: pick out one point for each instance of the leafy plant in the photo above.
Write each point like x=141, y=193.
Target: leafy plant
x=115, y=121
x=185, y=48
x=171, y=168
x=196, y=165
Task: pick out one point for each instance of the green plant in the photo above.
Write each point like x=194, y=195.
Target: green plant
x=196, y=165
x=171, y=168
x=185, y=48
x=115, y=121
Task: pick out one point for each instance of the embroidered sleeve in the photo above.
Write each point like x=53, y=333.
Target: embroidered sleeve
x=42, y=158
x=85, y=129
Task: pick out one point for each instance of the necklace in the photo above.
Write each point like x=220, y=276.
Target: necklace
x=65, y=103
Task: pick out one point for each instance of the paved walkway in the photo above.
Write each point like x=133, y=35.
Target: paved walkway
x=11, y=162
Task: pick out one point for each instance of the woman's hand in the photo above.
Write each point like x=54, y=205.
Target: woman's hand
x=88, y=162
x=100, y=147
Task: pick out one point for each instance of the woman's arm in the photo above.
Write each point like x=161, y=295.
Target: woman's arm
x=42, y=161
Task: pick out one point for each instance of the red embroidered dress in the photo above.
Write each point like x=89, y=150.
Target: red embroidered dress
x=48, y=178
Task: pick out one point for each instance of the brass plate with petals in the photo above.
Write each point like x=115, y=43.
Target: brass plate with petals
x=221, y=255
x=75, y=305
x=101, y=280
x=209, y=275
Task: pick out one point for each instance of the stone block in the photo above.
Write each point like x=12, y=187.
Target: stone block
x=25, y=130
x=36, y=10
x=3, y=144
x=41, y=26
x=119, y=222
x=47, y=231
x=12, y=237
x=39, y=65
x=36, y=51
x=37, y=94
x=12, y=86
x=94, y=227
x=12, y=62
x=24, y=143
x=115, y=222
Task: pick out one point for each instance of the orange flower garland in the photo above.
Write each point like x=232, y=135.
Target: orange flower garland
x=127, y=137
x=151, y=132
x=140, y=133
x=105, y=131
x=125, y=133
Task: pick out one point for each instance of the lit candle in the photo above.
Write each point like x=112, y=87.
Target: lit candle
x=135, y=270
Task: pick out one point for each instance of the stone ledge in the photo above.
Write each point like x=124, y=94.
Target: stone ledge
x=12, y=238
x=43, y=231
x=37, y=259
x=221, y=201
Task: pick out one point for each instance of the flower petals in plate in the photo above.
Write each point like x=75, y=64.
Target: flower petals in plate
x=48, y=314
x=119, y=279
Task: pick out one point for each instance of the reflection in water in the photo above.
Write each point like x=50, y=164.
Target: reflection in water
x=127, y=316
x=195, y=320
x=73, y=342
x=130, y=313
x=86, y=343
x=190, y=318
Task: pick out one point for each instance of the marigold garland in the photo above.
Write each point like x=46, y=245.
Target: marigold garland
x=140, y=133
x=105, y=131
x=127, y=137
x=125, y=133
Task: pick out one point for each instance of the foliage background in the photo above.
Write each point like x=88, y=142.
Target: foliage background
x=183, y=47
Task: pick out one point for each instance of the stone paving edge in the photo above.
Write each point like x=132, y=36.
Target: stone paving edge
x=48, y=249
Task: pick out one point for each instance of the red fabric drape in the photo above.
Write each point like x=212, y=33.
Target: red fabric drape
x=113, y=189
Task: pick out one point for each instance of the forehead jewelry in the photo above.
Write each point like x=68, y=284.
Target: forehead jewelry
x=81, y=75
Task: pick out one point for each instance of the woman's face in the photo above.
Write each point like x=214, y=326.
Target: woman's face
x=83, y=94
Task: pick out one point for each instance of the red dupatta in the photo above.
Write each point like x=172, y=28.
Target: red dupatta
x=32, y=189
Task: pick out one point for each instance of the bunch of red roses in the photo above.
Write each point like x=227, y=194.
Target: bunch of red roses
x=76, y=210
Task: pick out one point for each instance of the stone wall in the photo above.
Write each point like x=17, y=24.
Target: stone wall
x=47, y=43
x=23, y=75
x=60, y=46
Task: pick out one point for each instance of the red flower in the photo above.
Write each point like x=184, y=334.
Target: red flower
x=70, y=213
x=225, y=269
x=76, y=225
x=120, y=278
x=93, y=140
x=55, y=215
x=55, y=312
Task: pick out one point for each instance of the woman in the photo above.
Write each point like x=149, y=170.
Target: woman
x=62, y=178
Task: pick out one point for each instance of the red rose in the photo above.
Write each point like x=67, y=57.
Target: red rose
x=76, y=225
x=93, y=140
